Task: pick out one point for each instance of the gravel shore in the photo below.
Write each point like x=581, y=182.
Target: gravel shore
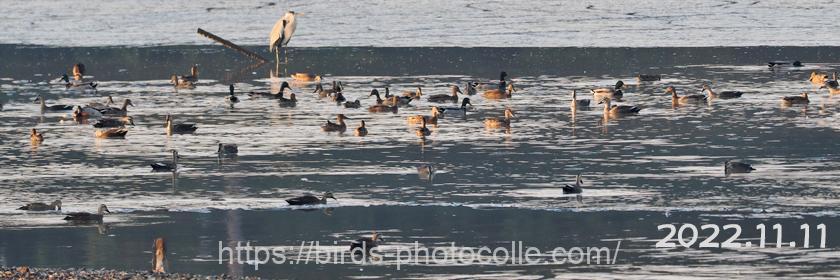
x=24, y=272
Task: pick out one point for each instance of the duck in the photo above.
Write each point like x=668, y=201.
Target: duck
x=500, y=122
x=52, y=108
x=502, y=85
x=322, y=93
x=287, y=102
x=84, y=216
x=338, y=97
x=365, y=244
x=722, y=94
x=685, y=99
x=181, y=84
x=832, y=85
x=227, y=150
x=470, y=88
x=179, y=128
x=414, y=94
x=613, y=93
x=36, y=136
x=818, y=79
x=795, y=63
x=305, y=77
x=111, y=133
x=353, y=104
x=86, y=112
x=192, y=77
x=425, y=172
x=283, y=87
x=39, y=206
x=114, y=111
x=423, y=131
x=375, y=92
x=791, y=100
x=617, y=110
x=457, y=111
x=382, y=108
x=648, y=77
x=232, y=97
x=114, y=122
x=394, y=100
x=167, y=167
x=361, y=130
x=77, y=82
x=310, y=199
x=418, y=119
x=499, y=93
x=109, y=100
x=337, y=126
x=441, y=98
x=582, y=103
x=576, y=188
x=730, y=167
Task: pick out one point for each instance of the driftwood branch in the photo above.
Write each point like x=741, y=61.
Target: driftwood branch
x=231, y=45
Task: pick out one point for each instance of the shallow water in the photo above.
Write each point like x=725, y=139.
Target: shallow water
x=490, y=186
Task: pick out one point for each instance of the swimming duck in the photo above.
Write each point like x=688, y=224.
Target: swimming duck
x=423, y=131
x=418, y=119
x=375, y=92
x=353, y=105
x=180, y=128
x=730, y=167
x=81, y=85
x=441, y=98
x=305, y=77
x=394, y=100
x=613, y=93
x=111, y=133
x=38, y=206
x=109, y=100
x=338, y=97
x=181, y=84
x=832, y=85
x=232, y=97
x=86, y=112
x=122, y=111
x=310, y=199
x=416, y=94
x=617, y=110
x=361, y=130
x=338, y=126
x=794, y=63
x=502, y=85
x=381, y=108
x=470, y=88
x=287, y=102
x=322, y=93
x=51, y=108
x=84, y=216
x=114, y=122
x=364, y=245
x=582, y=103
x=722, y=94
x=457, y=111
x=791, y=100
x=227, y=150
x=574, y=189
x=283, y=87
x=818, y=79
x=36, y=136
x=192, y=78
x=648, y=77
x=167, y=167
x=676, y=99
x=500, y=122
x=499, y=93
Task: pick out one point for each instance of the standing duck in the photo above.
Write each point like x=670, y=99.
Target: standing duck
x=441, y=98
x=179, y=128
x=231, y=99
x=36, y=136
x=337, y=126
x=227, y=150
x=88, y=217
x=114, y=122
x=181, y=84
x=114, y=111
x=365, y=244
x=574, y=189
x=38, y=206
x=613, y=93
x=361, y=130
x=500, y=122
x=418, y=119
x=730, y=167
x=310, y=199
x=423, y=131
x=685, y=99
x=722, y=94
x=111, y=133
x=617, y=110
x=576, y=104
x=793, y=100
x=51, y=108
x=458, y=111
x=167, y=167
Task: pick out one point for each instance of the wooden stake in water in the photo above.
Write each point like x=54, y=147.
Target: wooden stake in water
x=160, y=256
x=232, y=46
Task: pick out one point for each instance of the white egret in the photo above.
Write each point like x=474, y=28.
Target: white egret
x=281, y=34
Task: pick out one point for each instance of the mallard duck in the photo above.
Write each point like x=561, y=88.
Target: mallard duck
x=415, y=94
x=794, y=63
x=470, y=88
x=423, y=131
x=394, y=100
x=38, y=206
x=441, y=98
x=685, y=99
x=84, y=216
x=582, y=103
x=502, y=85
x=322, y=93
x=287, y=102
x=179, y=128
x=192, y=78
x=338, y=97
x=114, y=111
x=231, y=99
x=648, y=77
x=181, y=84
x=361, y=130
x=51, y=108
x=310, y=199
x=818, y=79
x=722, y=94
x=283, y=87
x=227, y=150
x=574, y=189
x=167, y=167
x=382, y=108
x=338, y=126
x=111, y=133
x=305, y=77
x=617, y=110
x=418, y=119
x=114, y=122
x=499, y=93
x=86, y=112
x=730, y=167
x=832, y=85
x=353, y=105
x=791, y=100
x=500, y=122
x=109, y=100
x=613, y=93
x=457, y=111
x=364, y=245
x=36, y=136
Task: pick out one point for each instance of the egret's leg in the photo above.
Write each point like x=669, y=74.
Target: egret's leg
x=277, y=61
x=285, y=62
